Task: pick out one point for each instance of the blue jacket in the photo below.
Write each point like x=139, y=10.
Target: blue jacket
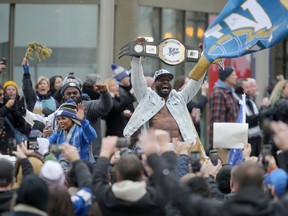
x=81, y=138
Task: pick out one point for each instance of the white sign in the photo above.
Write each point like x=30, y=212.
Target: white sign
x=230, y=135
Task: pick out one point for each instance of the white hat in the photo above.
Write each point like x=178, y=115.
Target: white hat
x=52, y=173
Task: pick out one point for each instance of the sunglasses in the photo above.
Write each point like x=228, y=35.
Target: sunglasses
x=1, y=94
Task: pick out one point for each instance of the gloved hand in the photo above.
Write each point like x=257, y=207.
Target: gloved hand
x=43, y=144
x=38, y=125
x=20, y=106
x=46, y=111
x=25, y=66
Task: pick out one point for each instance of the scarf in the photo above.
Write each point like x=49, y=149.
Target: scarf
x=73, y=138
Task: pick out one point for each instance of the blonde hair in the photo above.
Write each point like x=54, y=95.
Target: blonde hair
x=277, y=91
x=40, y=79
x=108, y=82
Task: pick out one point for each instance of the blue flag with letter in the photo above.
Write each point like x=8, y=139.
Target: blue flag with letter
x=235, y=155
x=246, y=26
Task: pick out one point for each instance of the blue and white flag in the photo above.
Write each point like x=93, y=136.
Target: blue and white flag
x=246, y=26
x=235, y=155
x=243, y=27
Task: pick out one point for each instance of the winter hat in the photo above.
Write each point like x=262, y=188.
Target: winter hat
x=10, y=83
x=34, y=192
x=52, y=173
x=161, y=73
x=68, y=109
x=278, y=178
x=6, y=172
x=71, y=81
x=119, y=72
x=224, y=74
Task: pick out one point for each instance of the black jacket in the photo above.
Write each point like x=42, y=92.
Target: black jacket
x=152, y=203
x=5, y=200
x=248, y=202
x=115, y=119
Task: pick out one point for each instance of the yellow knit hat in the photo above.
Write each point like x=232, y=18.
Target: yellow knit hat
x=10, y=83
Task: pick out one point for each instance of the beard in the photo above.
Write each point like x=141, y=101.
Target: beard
x=161, y=92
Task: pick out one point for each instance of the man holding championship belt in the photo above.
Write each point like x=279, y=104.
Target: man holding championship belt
x=162, y=107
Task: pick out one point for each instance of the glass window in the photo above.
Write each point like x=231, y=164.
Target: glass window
x=195, y=26
x=4, y=39
x=149, y=19
x=69, y=30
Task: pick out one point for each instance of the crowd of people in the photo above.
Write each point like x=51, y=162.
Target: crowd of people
x=143, y=162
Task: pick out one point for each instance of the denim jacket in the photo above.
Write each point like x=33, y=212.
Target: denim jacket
x=150, y=103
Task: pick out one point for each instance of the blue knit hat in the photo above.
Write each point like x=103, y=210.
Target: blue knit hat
x=278, y=178
x=119, y=72
x=68, y=109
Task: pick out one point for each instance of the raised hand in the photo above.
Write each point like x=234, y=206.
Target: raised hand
x=70, y=152
x=25, y=66
x=101, y=88
x=80, y=112
x=108, y=146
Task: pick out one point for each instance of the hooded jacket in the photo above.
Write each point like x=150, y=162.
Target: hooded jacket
x=125, y=197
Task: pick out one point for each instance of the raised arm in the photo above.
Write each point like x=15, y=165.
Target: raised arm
x=27, y=87
x=98, y=108
x=191, y=88
x=138, y=80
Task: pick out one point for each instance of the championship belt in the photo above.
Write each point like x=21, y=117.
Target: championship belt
x=169, y=51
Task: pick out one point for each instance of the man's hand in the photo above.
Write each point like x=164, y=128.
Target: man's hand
x=163, y=138
x=101, y=88
x=246, y=151
x=181, y=147
x=108, y=146
x=140, y=40
x=208, y=168
x=70, y=152
x=196, y=115
x=115, y=158
x=10, y=103
x=20, y=152
x=205, y=88
x=149, y=143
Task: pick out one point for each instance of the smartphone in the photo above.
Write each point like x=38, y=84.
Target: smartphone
x=32, y=144
x=195, y=158
x=7, y=145
x=123, y=142
x=213, y=154
x=2, y=124
x=55, y=148
x=266, y=150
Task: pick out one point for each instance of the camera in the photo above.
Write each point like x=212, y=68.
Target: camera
x=125, y=152
x=213, y=154
x=195, y=157
x=32, y=144
x=7, y=145
x=55, y=148
x=2, y=124
x=123, y=142
x=266, y=150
